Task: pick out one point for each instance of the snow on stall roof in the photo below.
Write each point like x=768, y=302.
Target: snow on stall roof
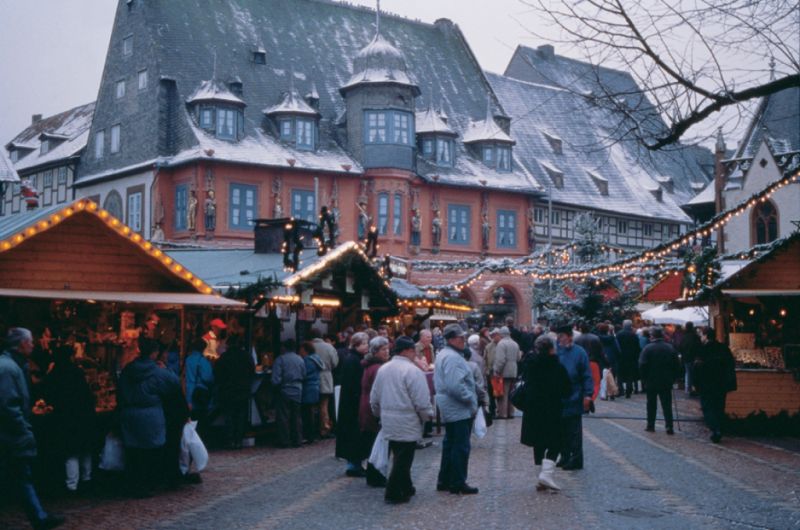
x=631, y=178
x=213, y=90
x=70, y=129
x=7, y=171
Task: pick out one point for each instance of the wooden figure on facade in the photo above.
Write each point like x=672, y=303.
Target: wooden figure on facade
x=371, y=247
x=210, y=211
x=486, y=228
x=436, y=231
x=531, y=229
x=363, y=220
x=277, y=210
x=191, y=212
x=416, y=228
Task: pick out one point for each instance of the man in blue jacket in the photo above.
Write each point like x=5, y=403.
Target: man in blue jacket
x=576, y=361
x=458, y=403
x=17, y=443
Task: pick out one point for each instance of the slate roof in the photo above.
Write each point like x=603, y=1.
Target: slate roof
x=599, y=85
x=429, y=121
x=539, y=111
x=7, y=171
x=318, y=40
x=72, y=126
x=778, y=121
x=291, y=103
x=213, y=90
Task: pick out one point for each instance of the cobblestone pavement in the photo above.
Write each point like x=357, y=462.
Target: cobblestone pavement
x=632, y=479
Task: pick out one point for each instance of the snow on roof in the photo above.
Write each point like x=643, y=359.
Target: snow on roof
x=71, y=127
x=429, y=121
x=379, y=62
x=486, y=130
x=630, y=175
x=213, y=90
x=704, y=197
x=778, y=121
x=7, y=171
x=291, y=103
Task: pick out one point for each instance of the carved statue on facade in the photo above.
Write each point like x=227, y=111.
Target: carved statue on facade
x=191, y=212
x=363, y=221
x=416, y=227
x=277, y=210
x=210, y=211
x=436, y=231
x=531, y=229
x=485, y=230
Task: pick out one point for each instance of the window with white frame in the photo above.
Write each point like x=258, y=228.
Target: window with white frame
x=444, y=152
x=142, y=77
x=304, y=205
x=388, y=127
x=226, y=123
x=115, y=139
x=555, y=218
x=383, y=214
x=427, y=147
x=504, y=159
x=647, y=229
x=99, y=144
x=458, y=224
x=539, y=216
x=402, y=128
x=62, y=175
x=305, y=134
x=397, y=214
x=242, y=206
x=135, y=211
x=286, y=129
x=120, y=90
x=376, y=127
x=506, y=229
x=622, y=226
x=48, y=179
x=488, y=155
x=207, y=118
x=127, y=45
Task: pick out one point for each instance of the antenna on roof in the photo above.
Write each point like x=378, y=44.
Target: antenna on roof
x=378, y=18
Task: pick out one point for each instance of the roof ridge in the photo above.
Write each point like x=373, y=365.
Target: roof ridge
x=579, y=61
x=39, y=126
x=530, y=83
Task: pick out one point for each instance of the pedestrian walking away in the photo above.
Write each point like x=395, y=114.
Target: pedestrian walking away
x=659, y=366
x=576, y=361
x=288, y=373
x=715, y=376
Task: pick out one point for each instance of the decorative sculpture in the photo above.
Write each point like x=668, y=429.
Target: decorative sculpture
x=416, y=227
x=485, y=229
x=210, y=211
x=363, y=220
x=277, y=210
x=436, y=231
x=191, y=212
x=531, y=229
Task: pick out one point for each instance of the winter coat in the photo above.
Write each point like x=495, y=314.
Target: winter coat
x=547, y=384
x=401, y=399
x=311, y=382
x=367, y=421
x=480, y=382
x=198, y=373
x=350, y=444
x=288, y=373
x=659, y=365
x=16, y=434
x=596, y=378
x=456, y=396
x=330, y=359
x=489, y=355
x=690, y=347
x=478, y=359
x=141, y=392
x=233, y=375
x=591, y=345
x=715, y=369
x=425, y=352
x=66, y=390
x=506, y=357
x=610, y=349
x=576, y=362
x=629, y=355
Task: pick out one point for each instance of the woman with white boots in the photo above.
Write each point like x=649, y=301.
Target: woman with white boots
x=546, y=384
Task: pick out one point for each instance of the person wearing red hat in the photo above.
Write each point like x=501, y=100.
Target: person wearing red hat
x=212, y=338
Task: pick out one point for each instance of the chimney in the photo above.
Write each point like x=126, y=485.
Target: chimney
x=719, y=184
x=36, y=118
x=546, y=51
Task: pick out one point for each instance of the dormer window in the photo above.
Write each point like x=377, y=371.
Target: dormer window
x=14, y=155
x=488, y=155
x=503, y=158
x=207, y=117
x=44, y=147
x=555, y=143
x=427, y=147
x=444, y=152
x=600, y=182
x=388, y=127
x=286, y=129
x=296, y=121
x=260, y=56
x=226, y=123
x=305, y=134
x=496, y=156
x=556, y=176
x=218, y=110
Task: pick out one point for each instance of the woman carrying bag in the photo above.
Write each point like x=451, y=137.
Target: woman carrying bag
x=546, y=384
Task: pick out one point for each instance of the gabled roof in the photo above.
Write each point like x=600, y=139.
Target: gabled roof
x=486, y=130
x=582, y=128
x=71, y=126
x=291, y=103
x=213, y=90
x=790, y=243
x=777, y=121
x=429, y=122
x=7, y=171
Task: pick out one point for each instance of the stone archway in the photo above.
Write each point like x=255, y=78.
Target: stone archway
x=501, y=302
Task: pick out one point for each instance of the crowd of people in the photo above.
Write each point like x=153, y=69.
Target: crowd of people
x=391, y=389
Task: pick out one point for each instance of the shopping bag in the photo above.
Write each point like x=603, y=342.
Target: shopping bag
x=479, y=425
x=379, y=457
x=192, y=449
x=497, y=385
x=603, y=394
x=611, y=384
x=518, y=395
x=113, y=456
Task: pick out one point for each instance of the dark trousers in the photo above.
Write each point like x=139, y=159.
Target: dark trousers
x=289, y=423
x=399, y=485
x=665, y=396
x=235, y=421
x=572, y=440
x=455, y=454
x=492, y=400
x=21, y=476
x=143, y=467
x=713, y=405
x=541, y=452
x=310, y=416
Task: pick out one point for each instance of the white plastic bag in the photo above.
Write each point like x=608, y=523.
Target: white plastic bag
x=603, y=386
x=113, y=456
x=379, y=457
x=192, y=449
x=479, y=426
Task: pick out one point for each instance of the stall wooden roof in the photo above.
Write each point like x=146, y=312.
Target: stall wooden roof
x=777, y=270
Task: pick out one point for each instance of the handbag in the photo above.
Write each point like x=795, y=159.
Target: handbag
x=497, y=385
x=518, y=395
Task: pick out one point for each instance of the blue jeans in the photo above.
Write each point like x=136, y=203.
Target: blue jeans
x=19, y=470
x=455, y=454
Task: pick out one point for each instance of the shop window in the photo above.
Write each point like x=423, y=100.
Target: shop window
x=242, y=206
x=397, y=214
x=383, y=213
x=764, y=223
x=181, y=200
x=304, y=205
x=506, y=229
x=458, y=224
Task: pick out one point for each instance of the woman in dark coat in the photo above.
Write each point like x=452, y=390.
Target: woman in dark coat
x=66, y=389
x=546, y=384
x=349, y=443
x=715, y=376
x=368, y=423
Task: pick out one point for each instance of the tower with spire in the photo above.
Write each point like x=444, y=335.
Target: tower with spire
x=379, y=99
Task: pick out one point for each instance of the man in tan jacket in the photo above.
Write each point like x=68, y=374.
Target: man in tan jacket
x=488, y=357
x=505, y=365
